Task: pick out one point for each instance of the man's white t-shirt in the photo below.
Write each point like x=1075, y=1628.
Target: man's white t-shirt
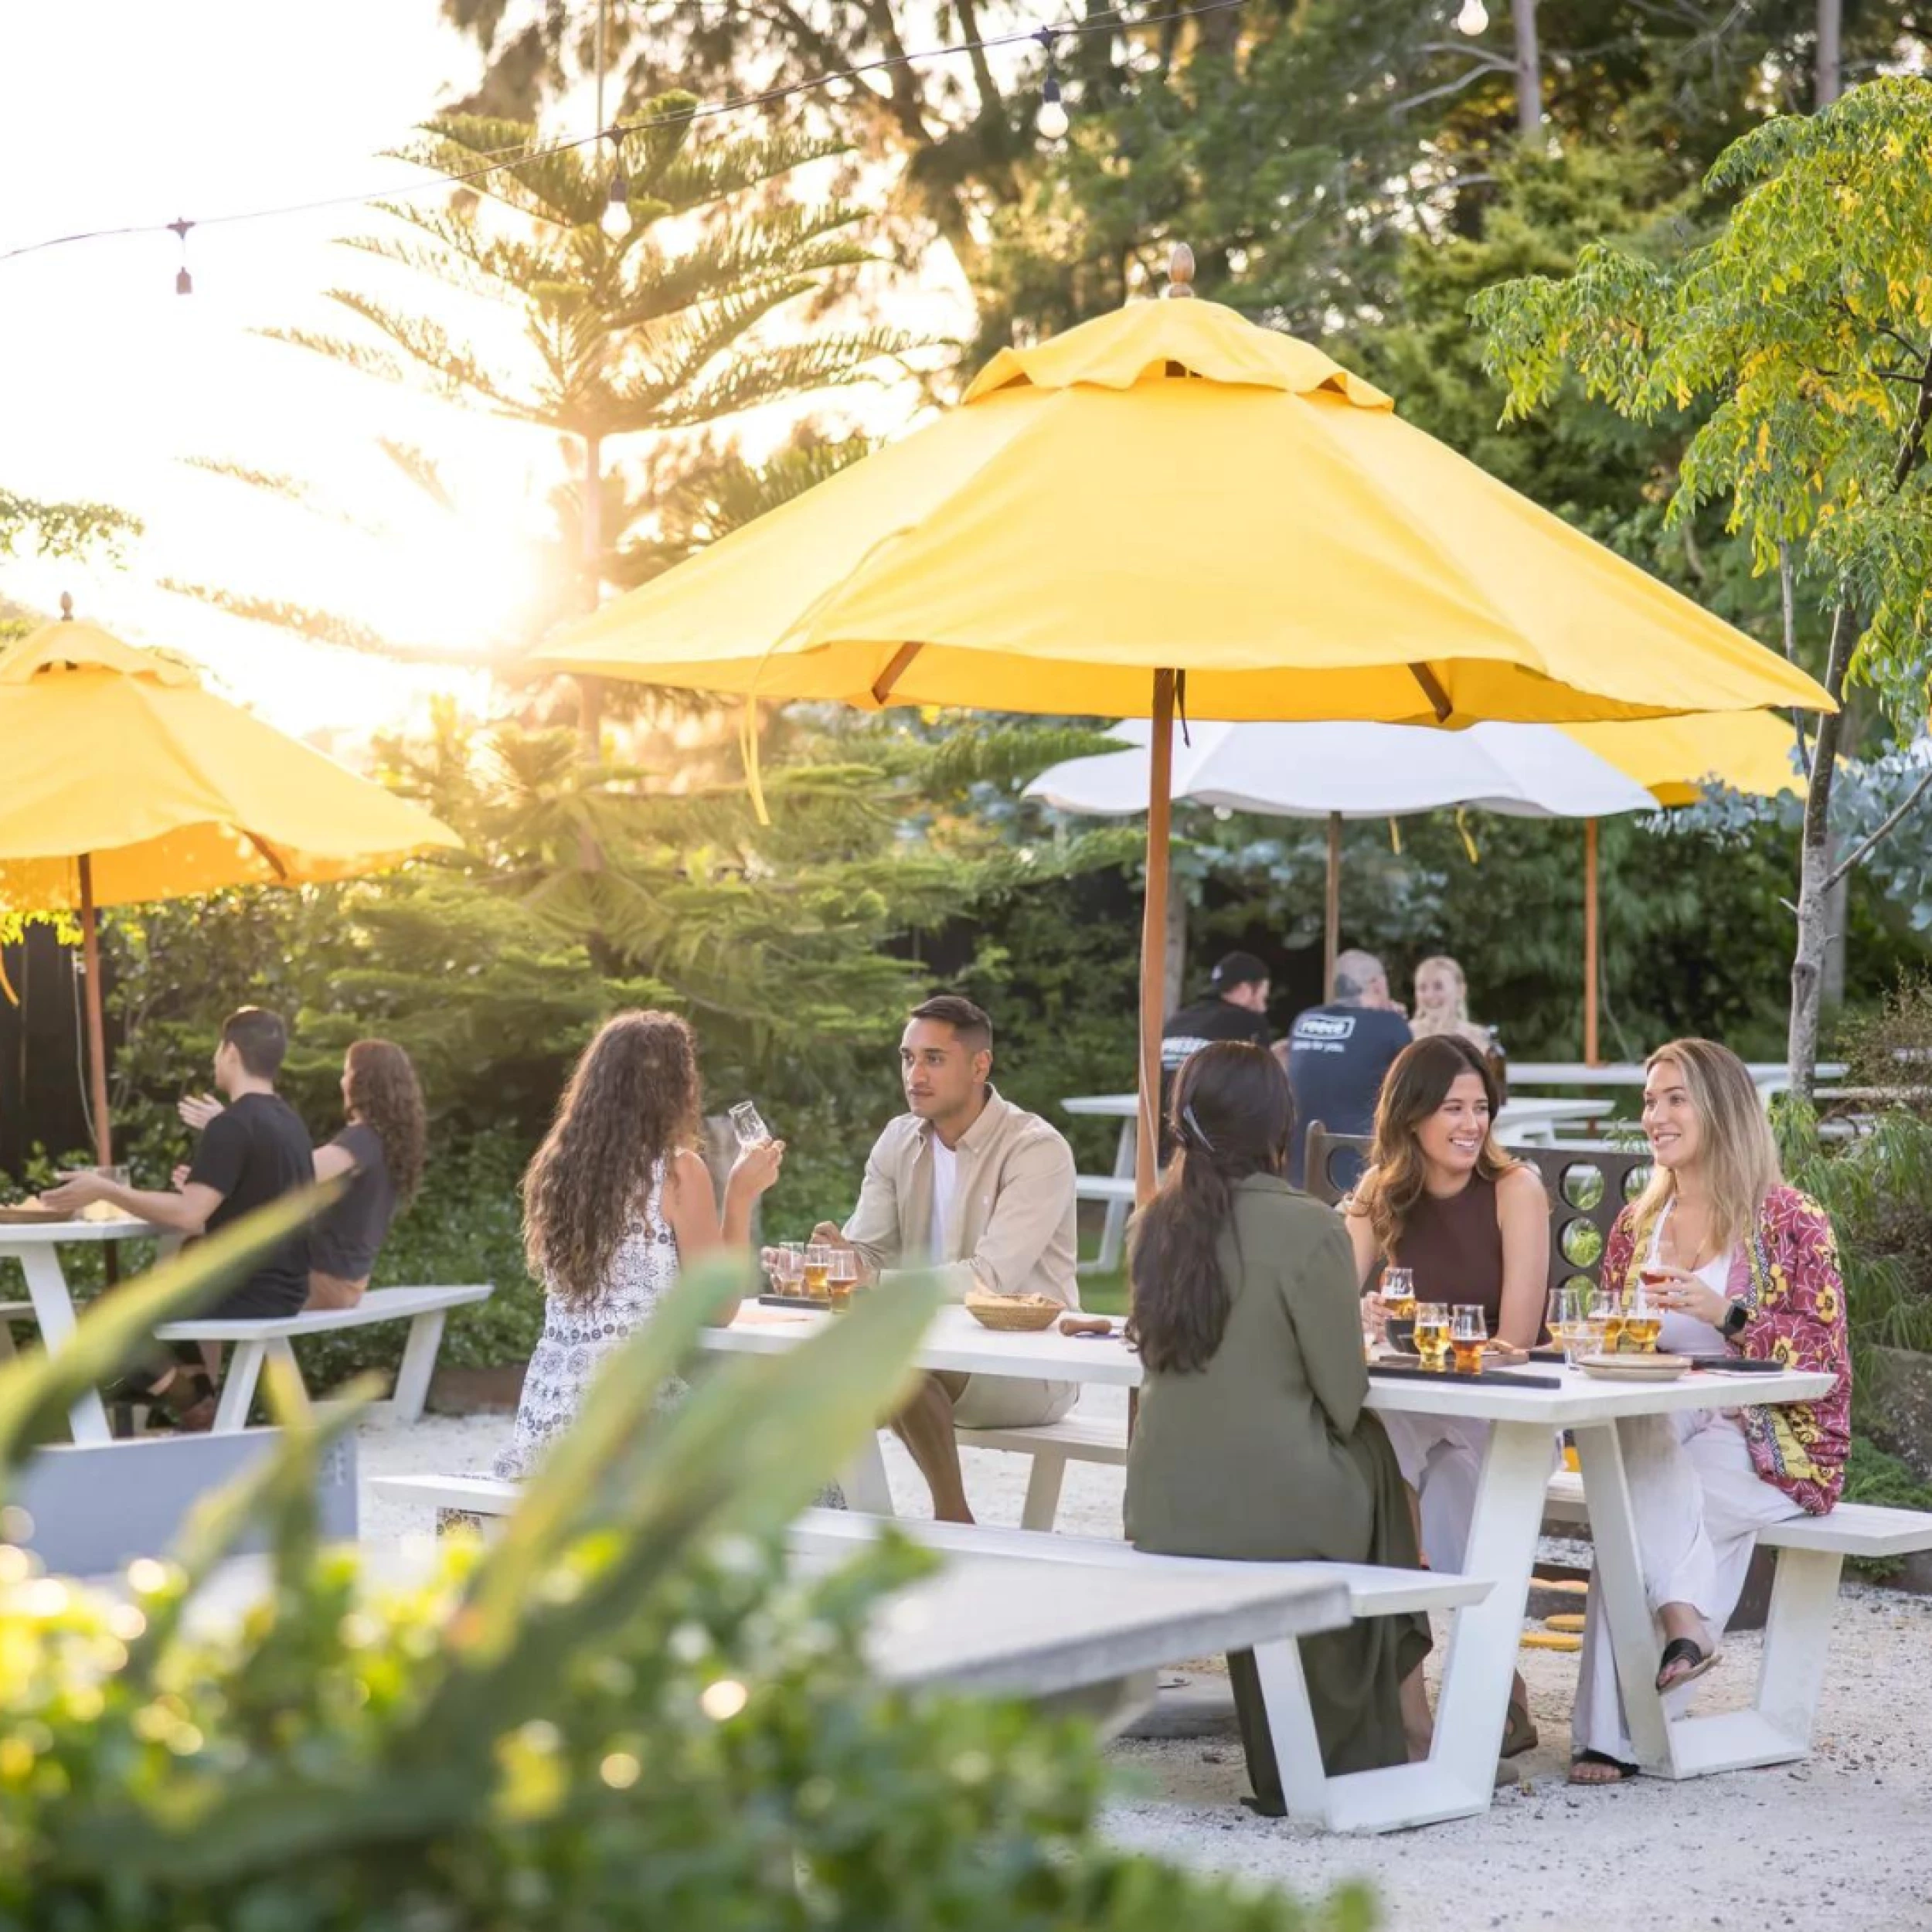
x=945, y=1186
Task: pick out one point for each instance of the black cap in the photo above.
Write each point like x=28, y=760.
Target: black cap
x=1237, y=969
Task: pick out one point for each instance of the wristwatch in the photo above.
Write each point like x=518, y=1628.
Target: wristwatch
x=1736, y=1316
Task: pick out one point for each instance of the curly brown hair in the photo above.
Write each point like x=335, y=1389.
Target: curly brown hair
x=384, y=1094
x=1418, y=1083
x=632, y=1101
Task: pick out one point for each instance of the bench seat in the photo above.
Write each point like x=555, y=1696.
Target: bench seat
x=257, y=1338
x=1052, y=1445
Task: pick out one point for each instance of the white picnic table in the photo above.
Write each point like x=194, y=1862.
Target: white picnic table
x=1525, y=1122
x=1472, y=1708
x=1769, y=1076
x=36, y=1246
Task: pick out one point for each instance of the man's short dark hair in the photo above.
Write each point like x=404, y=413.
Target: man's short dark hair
x=260, y=1037
x=1237, y=969
x=969, y=1022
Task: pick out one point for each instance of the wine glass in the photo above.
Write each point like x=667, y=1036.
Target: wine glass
x=841, y=1275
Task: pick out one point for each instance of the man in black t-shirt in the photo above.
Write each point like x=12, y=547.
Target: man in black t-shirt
x=256, y=1150
x=1337, y=1055
x=1234, y=1007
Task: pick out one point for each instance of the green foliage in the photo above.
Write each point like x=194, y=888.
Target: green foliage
x=1874, y=1477
x=628, y=1711
x=62, y=529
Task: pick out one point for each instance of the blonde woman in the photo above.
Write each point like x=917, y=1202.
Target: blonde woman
x=1442, y=1004
x=1743, y=1265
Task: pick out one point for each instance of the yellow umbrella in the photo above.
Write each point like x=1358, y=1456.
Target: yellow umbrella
x=1749, y=751
x=125, y=781
x=1167, y=503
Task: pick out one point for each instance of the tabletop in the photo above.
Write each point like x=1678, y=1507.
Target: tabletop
x=1125, y=1107
x=1631, y=1074
x=956, y=1342
x=34, y=1234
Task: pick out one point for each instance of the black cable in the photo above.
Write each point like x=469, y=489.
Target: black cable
x=1108, y=23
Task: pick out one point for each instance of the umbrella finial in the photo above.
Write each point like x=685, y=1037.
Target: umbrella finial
x=66, y=607
x=1180, y=271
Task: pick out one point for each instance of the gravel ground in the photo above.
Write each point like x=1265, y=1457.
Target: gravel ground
x=1844, y=1841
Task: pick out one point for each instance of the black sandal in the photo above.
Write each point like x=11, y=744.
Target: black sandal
x=1681, y=1650
x=1619, y=1770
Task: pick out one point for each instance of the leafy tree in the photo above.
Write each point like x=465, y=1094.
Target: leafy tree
x=657, y=333
x=1806, y=323
x=62, y=530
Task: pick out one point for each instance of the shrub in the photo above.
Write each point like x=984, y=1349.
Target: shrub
x=626, y=1712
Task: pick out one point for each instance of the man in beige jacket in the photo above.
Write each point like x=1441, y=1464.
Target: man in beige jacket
x=980, y=1191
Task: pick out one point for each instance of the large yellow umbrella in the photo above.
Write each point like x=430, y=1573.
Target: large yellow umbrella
x=1169, y=504
x=125, y=781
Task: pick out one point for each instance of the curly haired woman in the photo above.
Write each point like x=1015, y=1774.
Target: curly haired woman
x=614, y=1203
x=1740, y=1264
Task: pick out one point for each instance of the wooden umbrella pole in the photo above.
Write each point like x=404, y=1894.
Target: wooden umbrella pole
x=96, y=1028
x=1591, y=1056
x=1332, y=908
x=1160, y=812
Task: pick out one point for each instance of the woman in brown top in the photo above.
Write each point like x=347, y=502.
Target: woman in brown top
x=1442, y=1199
x=1253, y=1441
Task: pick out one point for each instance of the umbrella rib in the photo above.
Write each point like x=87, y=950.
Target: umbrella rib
x=1432, y=689
x=881, y=689
x=262, y=846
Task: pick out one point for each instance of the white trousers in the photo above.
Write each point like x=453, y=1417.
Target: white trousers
x=1698, y=1502
x=1441, y=1460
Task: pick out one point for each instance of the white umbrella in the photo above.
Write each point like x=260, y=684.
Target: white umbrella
x=1349, y=770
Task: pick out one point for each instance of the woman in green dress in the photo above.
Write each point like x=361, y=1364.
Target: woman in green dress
x=1252, y=1441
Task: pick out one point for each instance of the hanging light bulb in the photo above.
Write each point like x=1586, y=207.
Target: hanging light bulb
x=184, y=282
x=1473, y=19
x=1051, y=119
x=617, y=208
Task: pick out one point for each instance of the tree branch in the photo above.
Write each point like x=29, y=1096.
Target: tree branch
x=1886, y=828
x=1912, y=448
x=1448, y=87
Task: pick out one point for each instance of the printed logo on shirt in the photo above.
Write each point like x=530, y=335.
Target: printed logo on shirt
x=1321, y=1033
x=1179, y=1048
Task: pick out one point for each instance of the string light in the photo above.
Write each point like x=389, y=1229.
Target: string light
x=524, y=154
x=1051, y=120
x=184, y=282
x=617, y=207
x=1473, y=19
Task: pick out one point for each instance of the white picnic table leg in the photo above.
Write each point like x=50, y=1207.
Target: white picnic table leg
x=1619, y=1566
x=53, y=1309
x=1113, y=1229
x=1297, y=1751
x=864, y=1481
x=1472, y=1708
x=238, y=1387
x=418, y=1365
x=1043, y=1505
x=1798, y=1637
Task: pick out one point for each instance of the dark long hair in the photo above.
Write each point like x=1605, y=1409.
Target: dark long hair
x=632, y=1101
x=1414, y=1087
x=1232, y=1115
x=384, y=1094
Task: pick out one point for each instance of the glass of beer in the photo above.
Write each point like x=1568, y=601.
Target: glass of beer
x=1567, y=1328
x=1399, y=1293
x=842, y=1276
x=788, y=1267
x=1432, y=1335
x=1468, y=1330
x=1643, y=1322
x=1606, y=1306
x=818, y=1271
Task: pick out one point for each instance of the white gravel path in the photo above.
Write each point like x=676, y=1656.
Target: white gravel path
x=1842, y=1843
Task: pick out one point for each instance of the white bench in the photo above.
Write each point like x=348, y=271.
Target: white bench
x=256, y=1339
x=1811, y=1552
x=1052, y=1445
x=1117, y=1190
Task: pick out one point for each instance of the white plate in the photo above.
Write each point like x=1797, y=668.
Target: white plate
x=1635, y=1368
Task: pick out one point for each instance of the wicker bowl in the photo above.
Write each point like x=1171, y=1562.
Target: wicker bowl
x=1013, y=1313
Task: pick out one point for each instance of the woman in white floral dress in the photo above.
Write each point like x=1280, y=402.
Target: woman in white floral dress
x=614, y=1203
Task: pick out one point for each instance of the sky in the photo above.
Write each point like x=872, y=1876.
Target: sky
x=121, y=112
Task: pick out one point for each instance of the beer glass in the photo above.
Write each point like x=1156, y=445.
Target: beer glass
x=1399, y=1293
x=1606, y=1306
x=789, y=1270
x=841, y=1275
x=1468, y=1330
x=818, y=1270
x=748, y=1123
x=1643, y=1322
x=1432, y=1335
x=1569, y=1322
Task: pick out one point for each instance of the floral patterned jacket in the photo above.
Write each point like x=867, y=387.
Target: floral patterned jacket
x=1786, y=1272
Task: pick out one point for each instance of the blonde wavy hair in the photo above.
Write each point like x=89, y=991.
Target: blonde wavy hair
x=1736, y=1150
x=1427, y=1026
x=1417, y=1085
